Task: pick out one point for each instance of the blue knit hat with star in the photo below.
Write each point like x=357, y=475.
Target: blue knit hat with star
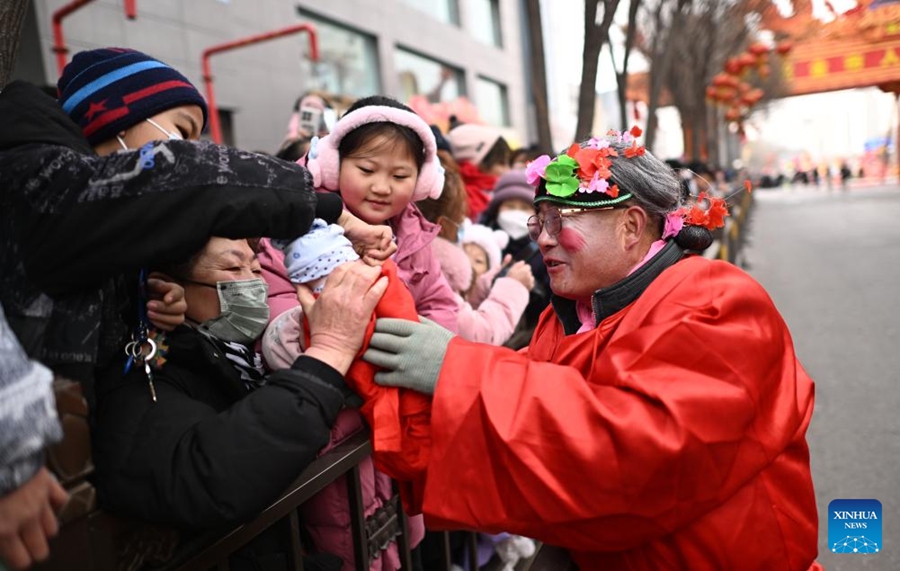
x=108, y=90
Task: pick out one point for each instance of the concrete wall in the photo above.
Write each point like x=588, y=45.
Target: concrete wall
x=260, y=83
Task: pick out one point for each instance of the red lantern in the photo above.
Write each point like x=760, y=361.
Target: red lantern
x=733, y=66
x=726, y=93
x=743, y=87
x=784, y=47
x=747, y=60
x=712, y=93
x=764, y=71
x=721, y=80
x=733, y=114
x=758, y=49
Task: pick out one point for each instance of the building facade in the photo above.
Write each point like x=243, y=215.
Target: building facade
x=446, y=56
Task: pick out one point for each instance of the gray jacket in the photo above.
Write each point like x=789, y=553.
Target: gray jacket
x=28, y=420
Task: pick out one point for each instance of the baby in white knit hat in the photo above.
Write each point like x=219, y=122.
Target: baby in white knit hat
x=311, y=257
x=309, y=260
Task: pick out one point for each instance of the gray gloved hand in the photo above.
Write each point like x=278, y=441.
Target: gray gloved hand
x=412, y=353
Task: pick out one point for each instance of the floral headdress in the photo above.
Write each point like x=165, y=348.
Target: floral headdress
x=582, y=177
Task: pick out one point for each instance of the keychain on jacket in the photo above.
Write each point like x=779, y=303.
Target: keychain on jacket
x=140, y=338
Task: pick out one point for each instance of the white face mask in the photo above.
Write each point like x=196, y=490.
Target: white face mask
x=169, y=135
x=514, y=223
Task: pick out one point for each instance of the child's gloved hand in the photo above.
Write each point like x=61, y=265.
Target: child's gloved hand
x=411, y=352
x=167, y=306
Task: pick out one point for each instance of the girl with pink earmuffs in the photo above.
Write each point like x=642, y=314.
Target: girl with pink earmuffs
x=380, y=157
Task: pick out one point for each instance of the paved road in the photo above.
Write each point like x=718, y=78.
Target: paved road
x=831, y=262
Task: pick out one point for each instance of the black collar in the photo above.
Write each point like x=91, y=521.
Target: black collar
x=614, y=298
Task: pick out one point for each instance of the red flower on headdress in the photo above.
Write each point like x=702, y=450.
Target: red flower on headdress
x=634, y=150
x=716, y=214
x=636, y=131
x=573, y=150
x=613, y=191
x=748, y=185
x=696, y=216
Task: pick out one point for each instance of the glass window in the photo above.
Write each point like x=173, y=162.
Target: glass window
x=441, y=10
x=484, y=21
x=419, y=75
x=348, y=60
x=492, y=102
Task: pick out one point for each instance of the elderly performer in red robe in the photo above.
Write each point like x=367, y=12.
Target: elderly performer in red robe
x=658, y=419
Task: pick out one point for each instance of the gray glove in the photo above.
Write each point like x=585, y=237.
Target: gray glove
x=412, y=353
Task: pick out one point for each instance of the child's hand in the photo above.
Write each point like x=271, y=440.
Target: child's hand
x=374, y=244
x=167, y=306
x=521, y=272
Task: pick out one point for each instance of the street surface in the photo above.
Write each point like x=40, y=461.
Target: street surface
x=831, y=262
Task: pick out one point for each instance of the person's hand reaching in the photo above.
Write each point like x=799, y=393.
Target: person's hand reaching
x=412, y=353
x=338, y=318
x=28, y=520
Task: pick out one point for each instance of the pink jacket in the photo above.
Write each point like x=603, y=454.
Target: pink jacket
x=416, y=266
x=496, y=317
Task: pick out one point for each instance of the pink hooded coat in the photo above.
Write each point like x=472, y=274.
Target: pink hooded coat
x=327, y=515
x=496, y=317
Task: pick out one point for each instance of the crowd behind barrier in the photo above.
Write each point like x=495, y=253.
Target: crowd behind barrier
x=92, y=538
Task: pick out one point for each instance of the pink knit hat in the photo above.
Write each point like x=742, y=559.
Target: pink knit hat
x=472, y=142
x=324, y=161
x=491, y=241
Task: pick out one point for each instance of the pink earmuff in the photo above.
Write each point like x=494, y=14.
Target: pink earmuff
x=324, y=161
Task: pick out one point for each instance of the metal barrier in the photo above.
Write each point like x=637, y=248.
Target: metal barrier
x=729, y=241
x=93, y=540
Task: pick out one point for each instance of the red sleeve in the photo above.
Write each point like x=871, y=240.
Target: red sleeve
x=690, y=398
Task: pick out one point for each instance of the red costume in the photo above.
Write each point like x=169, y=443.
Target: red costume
x=399, y=418
x=671, y=436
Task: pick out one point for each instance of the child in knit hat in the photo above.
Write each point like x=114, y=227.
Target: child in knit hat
x=123, y=99
x=309, y=260
x=494, y=319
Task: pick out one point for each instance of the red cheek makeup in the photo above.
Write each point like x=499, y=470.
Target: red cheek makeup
x=571, y=240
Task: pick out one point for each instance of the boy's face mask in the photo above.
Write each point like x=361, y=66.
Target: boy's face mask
x=170, y=136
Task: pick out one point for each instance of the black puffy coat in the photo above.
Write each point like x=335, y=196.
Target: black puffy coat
x=76, y=227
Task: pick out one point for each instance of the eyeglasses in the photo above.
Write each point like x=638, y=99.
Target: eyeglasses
x=552, y=219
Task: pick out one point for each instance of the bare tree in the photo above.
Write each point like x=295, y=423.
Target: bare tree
x=538, y=74
x=595, y=36
x=691, y=41
x=664, y=24
x=622, y=75
x=12, y=21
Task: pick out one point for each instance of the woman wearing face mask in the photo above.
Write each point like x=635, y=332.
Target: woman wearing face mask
x=509, y=210
x=222, y=439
